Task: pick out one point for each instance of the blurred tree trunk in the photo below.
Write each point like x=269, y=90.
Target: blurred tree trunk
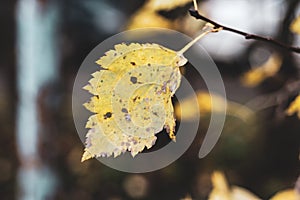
x=37, y=59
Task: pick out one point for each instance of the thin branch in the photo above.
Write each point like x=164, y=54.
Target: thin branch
x=249, y=36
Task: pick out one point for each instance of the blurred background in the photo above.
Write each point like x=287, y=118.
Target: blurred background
x=43, y=43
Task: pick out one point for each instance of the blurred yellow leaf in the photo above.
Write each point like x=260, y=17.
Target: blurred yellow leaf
x=221, y=190
x=294, y=107
x=166, y=4
x=220, y=187
x=148, y=16
x=295, y=25
x=146, y=19
x=239, y=193
x=208, y=101
x=289, y=194
x=258, y=74
x=187, y=197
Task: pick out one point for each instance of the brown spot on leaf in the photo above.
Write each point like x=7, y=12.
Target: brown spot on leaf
x=124, y=110
x=133, y=79
x=134, y=99
x=107, y=115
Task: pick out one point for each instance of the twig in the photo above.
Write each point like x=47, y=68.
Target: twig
x=249, y=36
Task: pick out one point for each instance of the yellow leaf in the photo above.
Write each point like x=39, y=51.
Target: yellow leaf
x=222, y=191
x=145, y=18
x=166, y=4
x=289, y=194
x=295, y=25
x=294, y=107
x=258, y=74
x=207, y=103
x=187, y=197
x=220, y=187
x=132, y=99
x=239, y=193
x=148, y=16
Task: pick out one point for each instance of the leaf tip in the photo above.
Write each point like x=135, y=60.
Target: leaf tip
x=86, y=155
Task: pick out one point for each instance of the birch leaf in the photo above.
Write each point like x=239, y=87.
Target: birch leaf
x=220, y=187
x=259, y=73
x=222, y=191
x=166, y=4
x=294, y=107
x=295, y=25
x=239, y=193
x=145, y=18
x=289, y=194
x=209, y=102
x=131, y=99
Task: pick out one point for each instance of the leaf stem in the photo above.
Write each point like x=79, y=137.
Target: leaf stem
x=186, y=47
x=195, y=4
x=196, y=14
x=208, y=28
